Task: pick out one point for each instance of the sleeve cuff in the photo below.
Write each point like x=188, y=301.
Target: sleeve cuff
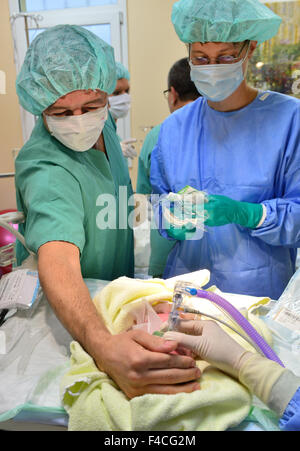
x=264, y=217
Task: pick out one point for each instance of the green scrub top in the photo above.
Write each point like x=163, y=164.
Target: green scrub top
x=61, y=194
x=160, y=246
x=143, y=179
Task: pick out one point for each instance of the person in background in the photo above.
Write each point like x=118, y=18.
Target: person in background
x=181, y=91
x=71, y=160
x=237, y=144
x=276, y=386
x=119, y=106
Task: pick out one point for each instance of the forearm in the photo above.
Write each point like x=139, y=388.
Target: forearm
x=68, y=295
x=271, y=383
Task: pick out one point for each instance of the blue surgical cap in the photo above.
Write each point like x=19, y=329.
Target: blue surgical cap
x=122, y=72
x=61, y=60
x=224, y=21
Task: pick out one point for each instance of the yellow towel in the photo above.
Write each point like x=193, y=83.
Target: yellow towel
x=94, y=402
x=117, y=299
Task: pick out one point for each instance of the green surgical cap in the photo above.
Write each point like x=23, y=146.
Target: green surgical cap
x=224, y=21
x=61, y=60
x=122, y=72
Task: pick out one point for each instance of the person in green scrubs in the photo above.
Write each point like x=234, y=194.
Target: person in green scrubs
x=71, y=178
x=181, y=91
x=119, y=107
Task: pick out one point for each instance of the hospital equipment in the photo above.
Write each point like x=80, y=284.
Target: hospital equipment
x=224, y=21
x=19, y=289
x=187, y=289
x=9, y=221
x=184, y=214
x=7, y=175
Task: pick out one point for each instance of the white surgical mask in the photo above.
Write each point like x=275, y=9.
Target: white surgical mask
x=79, y=133
x=217, y=82
x=120, y=105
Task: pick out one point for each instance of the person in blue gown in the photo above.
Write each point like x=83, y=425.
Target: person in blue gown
x=240, y=146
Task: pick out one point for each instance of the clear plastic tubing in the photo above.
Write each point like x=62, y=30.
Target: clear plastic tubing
x=240, y=320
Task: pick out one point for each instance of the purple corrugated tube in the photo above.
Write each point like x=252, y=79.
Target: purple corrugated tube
x=240, y=320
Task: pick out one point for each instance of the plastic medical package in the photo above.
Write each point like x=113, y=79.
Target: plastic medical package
x=287, y=311
x=284, y=320
x=185, y=210
x=19, y=289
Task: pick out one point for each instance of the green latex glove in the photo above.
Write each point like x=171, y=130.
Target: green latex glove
x=179, y=233
x=184, y=222
x=222, y=210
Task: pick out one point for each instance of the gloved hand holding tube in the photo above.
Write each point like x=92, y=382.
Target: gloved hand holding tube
x=193, y=207
x=266, y=379
x=128, y=148
x=183, y=214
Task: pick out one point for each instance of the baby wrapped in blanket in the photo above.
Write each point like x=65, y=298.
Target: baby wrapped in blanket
x=94, y=402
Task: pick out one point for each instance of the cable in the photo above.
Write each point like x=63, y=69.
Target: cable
x=249, y=341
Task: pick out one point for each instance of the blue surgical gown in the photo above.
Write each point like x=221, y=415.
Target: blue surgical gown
x=251, y=155
x=290, y=420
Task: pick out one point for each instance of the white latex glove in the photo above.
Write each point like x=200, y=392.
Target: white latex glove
x=271, y=383
x=210, y=343
x=128, y=149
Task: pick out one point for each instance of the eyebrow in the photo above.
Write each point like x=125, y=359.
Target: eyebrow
x=55, y=108
x=223, y=50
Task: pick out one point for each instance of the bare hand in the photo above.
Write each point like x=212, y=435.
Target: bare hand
x=140, y=363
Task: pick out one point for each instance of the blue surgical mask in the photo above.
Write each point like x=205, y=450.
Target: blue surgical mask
x=217, y=82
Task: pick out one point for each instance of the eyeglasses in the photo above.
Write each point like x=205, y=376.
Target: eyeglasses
x=224, y=59
x=166, y=93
